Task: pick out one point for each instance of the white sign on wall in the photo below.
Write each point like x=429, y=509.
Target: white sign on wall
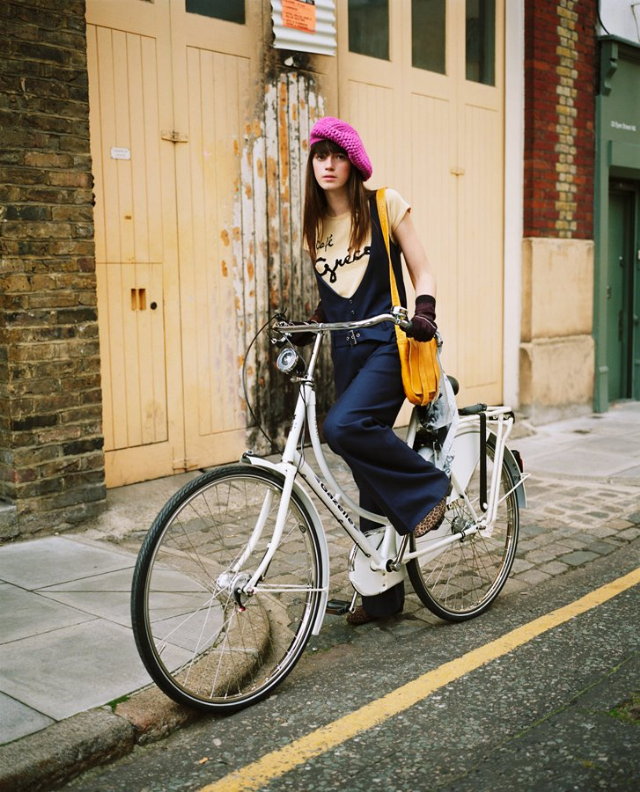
x=119, y=152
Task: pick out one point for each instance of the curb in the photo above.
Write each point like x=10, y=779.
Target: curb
x=54, y=756
x=58, y=753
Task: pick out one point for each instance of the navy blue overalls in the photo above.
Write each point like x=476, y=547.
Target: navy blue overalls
x=392, y=478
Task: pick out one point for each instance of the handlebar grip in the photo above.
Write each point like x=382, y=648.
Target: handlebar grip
x=474, y=409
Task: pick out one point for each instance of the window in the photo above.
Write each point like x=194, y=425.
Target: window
x=428, y=33
x=231, y=10
x=481, y=41
x=369, y=28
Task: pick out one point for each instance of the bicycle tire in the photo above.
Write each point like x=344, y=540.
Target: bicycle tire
x=200, y=645
x=461, y=581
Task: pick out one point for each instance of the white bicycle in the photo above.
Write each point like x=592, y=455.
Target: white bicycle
x=233, y=576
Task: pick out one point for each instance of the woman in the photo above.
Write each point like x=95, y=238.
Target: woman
x=342, y=231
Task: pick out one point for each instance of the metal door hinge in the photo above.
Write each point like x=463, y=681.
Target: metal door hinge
x=173, y=136
x=182, y=465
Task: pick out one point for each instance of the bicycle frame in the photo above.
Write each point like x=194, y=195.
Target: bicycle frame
x=386, y=558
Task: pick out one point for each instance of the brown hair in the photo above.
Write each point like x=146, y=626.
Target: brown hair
x=315, y=201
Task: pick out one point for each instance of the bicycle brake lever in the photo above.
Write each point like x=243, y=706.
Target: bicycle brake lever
x=277, y=333
x=402, y=317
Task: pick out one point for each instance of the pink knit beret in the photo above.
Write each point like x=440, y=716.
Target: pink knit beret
x=346, y=137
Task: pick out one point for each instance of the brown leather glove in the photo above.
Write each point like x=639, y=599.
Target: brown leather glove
x=424, y=320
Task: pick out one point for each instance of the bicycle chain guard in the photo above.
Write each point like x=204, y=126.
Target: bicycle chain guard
x=366, y=581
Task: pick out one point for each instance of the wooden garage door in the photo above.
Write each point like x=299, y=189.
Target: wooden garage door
x=167, y=86
x=423, y=81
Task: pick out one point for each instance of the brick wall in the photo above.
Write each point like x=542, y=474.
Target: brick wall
x=560, y=63
x=51, y=459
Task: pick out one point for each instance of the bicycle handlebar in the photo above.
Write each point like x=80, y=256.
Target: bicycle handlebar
x=398, y=316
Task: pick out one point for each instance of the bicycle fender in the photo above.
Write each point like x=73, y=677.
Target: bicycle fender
x=322, y=539
x=516, y=475
x=466, y=457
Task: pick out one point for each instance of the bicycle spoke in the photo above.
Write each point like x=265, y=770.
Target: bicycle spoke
x=462, y=580
x=204, y=640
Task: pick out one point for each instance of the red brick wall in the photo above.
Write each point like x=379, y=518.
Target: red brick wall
x=560, y=76
x=51, y=459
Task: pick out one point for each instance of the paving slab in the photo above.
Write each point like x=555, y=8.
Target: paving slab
x=18, y=720
x=26, y=613
x=575, y=459
x=73, y=669
x=632, y=473
x=107, y=595
x=57, y=559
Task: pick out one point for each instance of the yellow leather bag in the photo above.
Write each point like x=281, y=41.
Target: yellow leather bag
x=418, y=359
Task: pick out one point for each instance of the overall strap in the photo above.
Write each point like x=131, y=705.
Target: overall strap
x=381, y=205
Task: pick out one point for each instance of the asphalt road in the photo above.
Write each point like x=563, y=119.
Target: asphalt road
x=551, y=714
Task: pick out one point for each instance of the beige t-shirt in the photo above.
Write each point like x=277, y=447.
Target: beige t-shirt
x=343, y=269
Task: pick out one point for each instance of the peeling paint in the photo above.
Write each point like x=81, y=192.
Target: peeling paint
x=271, y=271
x=224, y=236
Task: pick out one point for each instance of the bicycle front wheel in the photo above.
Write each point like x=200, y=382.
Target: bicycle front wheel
x=463, y=579
x=203, y=642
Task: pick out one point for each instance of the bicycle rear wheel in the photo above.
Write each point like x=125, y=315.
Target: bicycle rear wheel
x=462, y=580
x=204, y=644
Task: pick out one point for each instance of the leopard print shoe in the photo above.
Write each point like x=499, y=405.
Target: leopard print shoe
x=433, y=520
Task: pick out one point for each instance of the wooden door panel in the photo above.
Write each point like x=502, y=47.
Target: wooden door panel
x=434, y=204
x=368, y=103
x=214, y=75
x=136, y=251
x=167, y=125
x=133, y=354
x=480, y=284
x=209, y=319
x=438, y=138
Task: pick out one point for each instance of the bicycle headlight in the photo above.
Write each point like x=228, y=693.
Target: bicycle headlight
x=290, y=362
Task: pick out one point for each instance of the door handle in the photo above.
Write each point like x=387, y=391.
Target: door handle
x=138, y=299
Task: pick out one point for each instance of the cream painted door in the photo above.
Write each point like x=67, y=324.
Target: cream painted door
x=212, y=77
x=129, y=63
x=437, y=137
x=167, y=125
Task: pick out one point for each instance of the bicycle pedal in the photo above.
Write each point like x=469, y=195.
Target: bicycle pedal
x=337, y=607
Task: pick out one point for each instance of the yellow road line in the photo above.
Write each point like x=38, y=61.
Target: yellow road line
x=257, y=774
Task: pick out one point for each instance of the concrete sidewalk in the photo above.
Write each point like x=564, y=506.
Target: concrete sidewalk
x=66, y=647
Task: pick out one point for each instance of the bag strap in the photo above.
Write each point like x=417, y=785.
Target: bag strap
x=384, y=225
